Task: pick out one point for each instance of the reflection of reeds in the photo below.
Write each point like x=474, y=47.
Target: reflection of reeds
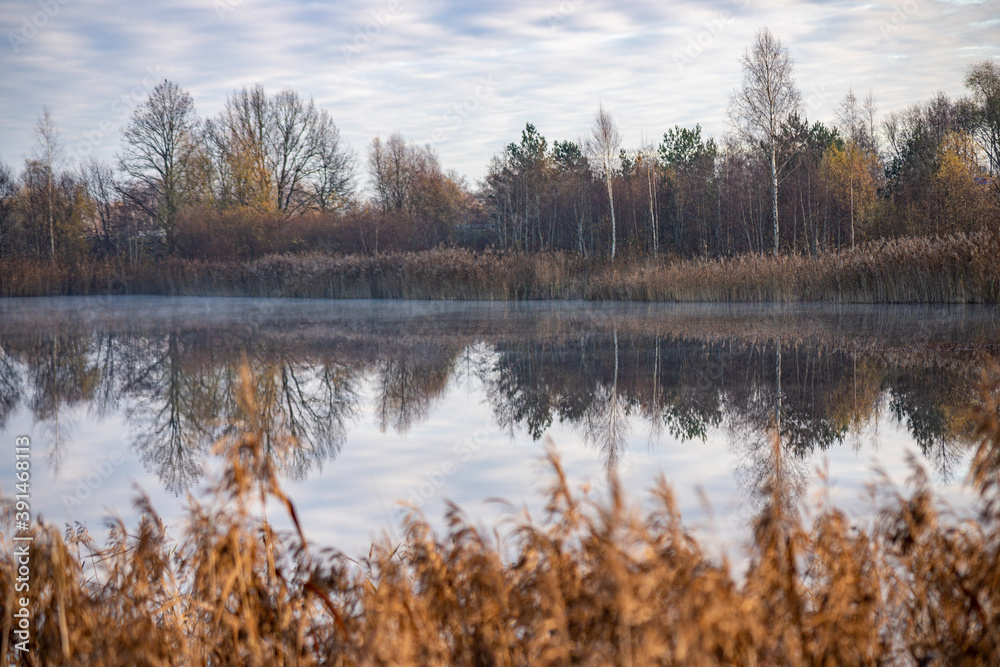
x=960, y=268
x=589, y=583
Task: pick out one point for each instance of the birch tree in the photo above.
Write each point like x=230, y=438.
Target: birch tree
x=48, y=153
x=853, y=169
x=766, y=99
x=603, y=146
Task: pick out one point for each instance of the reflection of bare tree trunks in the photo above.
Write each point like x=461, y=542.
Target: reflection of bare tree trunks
x=409, y=382
x=768, y=471
x=10, y=386
x=606, y=421
x=684, y=371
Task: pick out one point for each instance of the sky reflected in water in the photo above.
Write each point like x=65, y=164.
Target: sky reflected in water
x=422, y=402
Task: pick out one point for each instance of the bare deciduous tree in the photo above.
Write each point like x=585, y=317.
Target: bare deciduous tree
x=869, y=116
x=603, y=147
x=8, y=192
x=102, y=187
x=849, y=117
x=160, y=150
x=239, y=139
x=766, y=99
x=279, y=152
x=391, y=166
x=311, y=166
x=983, y=79
x=333, y=184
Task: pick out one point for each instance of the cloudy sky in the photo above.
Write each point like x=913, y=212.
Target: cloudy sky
x=467, y=76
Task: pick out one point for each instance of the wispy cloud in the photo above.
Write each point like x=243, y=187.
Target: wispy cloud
x=550, y=62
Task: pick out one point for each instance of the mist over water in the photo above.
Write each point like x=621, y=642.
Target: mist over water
x=427, y=401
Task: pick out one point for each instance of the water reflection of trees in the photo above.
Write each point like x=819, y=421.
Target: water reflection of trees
x=10, y=386
x=60, y=375
x=817, y=396
x=175, y=388
x=176, y=391
x=185, y=404
x=408, y=380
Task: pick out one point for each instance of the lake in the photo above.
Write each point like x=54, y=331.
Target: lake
x=428, y=401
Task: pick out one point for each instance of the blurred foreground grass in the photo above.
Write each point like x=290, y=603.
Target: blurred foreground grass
x=587, y=583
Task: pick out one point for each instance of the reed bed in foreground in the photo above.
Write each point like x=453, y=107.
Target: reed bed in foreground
x=960, y=268
x=589, y=583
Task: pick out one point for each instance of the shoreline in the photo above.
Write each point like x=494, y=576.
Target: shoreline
x=955, y=269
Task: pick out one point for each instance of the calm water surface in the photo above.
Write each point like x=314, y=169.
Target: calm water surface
x=424, y=402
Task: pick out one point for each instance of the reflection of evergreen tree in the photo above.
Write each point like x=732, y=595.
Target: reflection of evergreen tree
x=689, y=387
x=920, y=399
x=176, y=384
x=532, y=383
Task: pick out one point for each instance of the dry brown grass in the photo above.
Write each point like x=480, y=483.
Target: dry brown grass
x=589, y=583
x=960, y=268
x=32, y=277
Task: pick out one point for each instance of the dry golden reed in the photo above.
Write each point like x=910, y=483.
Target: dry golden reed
x=590, y=583
x=959, y=268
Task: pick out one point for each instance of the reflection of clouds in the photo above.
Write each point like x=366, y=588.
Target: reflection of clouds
x=600, y=369
x=440, y=372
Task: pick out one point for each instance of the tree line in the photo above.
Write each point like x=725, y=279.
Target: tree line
x=270, y=173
